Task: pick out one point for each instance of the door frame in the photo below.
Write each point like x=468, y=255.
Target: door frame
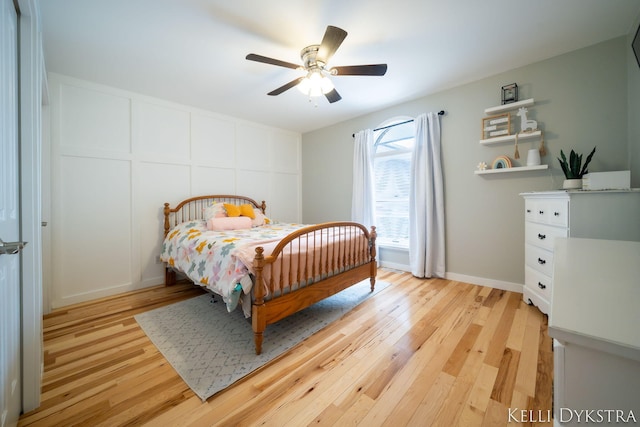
x=32, y=93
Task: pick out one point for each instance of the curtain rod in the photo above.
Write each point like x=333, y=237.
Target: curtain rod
x=440, y=113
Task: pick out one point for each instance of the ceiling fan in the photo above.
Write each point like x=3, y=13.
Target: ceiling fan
x=315, y=59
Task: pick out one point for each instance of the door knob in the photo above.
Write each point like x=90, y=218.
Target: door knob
x=11, y=248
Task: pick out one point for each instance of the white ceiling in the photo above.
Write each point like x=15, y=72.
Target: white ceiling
x=193, y=51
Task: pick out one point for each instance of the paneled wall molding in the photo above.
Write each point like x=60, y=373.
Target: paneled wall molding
x=117, y=156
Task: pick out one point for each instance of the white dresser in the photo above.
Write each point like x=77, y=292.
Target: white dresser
x=594, y=321
x=613, y=214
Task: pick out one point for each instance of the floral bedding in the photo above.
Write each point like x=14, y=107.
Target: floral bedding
x=210, y=258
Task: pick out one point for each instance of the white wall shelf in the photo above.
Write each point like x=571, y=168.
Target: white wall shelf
x=511, y=138
x=508, y=107
x=535, y=135
x=514, y=169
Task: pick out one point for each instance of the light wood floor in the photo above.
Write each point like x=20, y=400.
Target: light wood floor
x=419, y=353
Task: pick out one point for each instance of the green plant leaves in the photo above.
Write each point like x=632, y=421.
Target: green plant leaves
x=573, y=169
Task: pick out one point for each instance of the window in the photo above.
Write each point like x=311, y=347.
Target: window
x=392, y=169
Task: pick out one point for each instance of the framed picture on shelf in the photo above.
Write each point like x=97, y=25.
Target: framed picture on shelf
x=494, y=126
x=509, y=93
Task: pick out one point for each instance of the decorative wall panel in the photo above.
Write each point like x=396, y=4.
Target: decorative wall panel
x=284, y=208
x=157, y=183
x=161, y=131
x=212, y=141
x=285, y=153
x=94, y=120
x=117, y=157
x=208, y=180
x=253, y=148
x=92, y=248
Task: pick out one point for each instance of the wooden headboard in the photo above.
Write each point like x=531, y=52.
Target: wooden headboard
x=193, y=208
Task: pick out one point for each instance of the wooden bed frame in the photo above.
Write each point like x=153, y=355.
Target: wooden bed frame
x=267, y=311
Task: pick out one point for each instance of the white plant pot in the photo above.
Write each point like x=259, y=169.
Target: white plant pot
x=572, y=184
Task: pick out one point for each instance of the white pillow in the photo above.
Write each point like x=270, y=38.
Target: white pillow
x=259, y=219
x=215, y=210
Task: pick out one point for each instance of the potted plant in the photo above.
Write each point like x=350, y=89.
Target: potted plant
x=574, y=169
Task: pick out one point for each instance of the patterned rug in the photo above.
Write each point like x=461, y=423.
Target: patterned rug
x=211, y=348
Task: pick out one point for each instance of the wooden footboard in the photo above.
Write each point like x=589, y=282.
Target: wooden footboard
x=308, y=266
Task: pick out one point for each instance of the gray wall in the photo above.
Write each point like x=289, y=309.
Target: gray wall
x=580, y=102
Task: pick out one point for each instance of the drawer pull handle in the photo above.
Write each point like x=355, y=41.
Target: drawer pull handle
x=528, y=210
x=541, y=212
x=541, y=286
x=541, y=261
x=556, y=214
x=542, y=236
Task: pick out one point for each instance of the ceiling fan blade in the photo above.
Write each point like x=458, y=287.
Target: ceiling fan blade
x=267, y=60
x=333, y=96
x=333, y=38
x=361, y=70
x=285, y=87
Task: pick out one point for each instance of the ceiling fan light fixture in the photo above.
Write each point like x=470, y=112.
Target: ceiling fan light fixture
x=315, y=59
x=315, y=84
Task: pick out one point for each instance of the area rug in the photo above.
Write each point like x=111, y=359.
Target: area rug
x=211, y=348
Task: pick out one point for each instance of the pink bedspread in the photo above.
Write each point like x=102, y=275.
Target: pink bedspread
x=310, y=258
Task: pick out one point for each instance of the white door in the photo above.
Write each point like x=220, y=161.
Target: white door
x=10, y=312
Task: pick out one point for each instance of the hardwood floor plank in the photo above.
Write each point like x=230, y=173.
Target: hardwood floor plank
x=499, y=339
x=462, y=350
x=516, y=334
x=415, y=381
x=75, y=364
x=136, y=409
x=544, y=373
x=481, y=391
x=496, y=415
x=420, y=352
x=526, y=376
x=173, y=415
x=506, y=378
x=356, y=412
x=433, y=402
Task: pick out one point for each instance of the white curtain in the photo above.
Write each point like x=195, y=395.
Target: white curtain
x=363, y=200
x=426, y=201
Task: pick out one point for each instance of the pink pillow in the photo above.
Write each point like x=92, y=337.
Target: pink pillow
x=229, y=223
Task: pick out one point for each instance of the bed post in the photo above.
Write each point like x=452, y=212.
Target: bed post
x=169, y=274
x=372, y=251
x=258, y=320
x=167, y=226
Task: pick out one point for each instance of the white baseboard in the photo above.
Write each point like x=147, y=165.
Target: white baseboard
x=394, y=266
x=482, y=281
x=97, y=294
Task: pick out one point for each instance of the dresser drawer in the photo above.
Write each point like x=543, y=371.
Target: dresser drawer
x=558, y=212
x=539, y=259
x=530, y=212
x=555, y=212
x=542, y=235
x=538, y=282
